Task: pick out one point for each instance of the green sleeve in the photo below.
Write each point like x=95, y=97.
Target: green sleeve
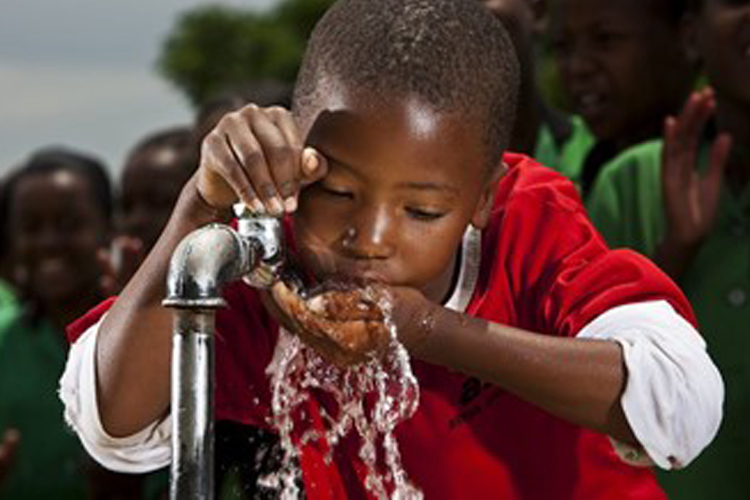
x=626, y=203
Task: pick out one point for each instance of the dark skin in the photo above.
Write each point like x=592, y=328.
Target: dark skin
x=718, y=33
x=622, y=66
x=54, y=243
x=394, y=201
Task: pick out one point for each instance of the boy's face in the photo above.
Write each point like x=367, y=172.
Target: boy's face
x=723, y=38
x=403, y=183
x=56, y=229
x=151, y=184
x=621, y=65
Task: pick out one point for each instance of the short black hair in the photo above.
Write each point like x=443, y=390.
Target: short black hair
x=452, y=54
x=54, y=159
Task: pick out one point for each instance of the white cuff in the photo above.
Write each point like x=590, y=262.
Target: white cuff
x=145, y=451
x=674, y=393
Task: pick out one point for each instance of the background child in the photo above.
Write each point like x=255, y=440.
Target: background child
x=552, y=138
x=402, y=111
x=685, y=202
x=623, y=68
x=56, y=216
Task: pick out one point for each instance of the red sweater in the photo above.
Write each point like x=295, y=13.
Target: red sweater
x=543, y=268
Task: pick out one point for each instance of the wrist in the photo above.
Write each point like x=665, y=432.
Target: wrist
x=191, y=206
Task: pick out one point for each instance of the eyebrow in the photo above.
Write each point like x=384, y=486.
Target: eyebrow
x=421, y=186
x=429, y=186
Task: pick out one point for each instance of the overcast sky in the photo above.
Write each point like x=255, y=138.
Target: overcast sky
x=81, y=73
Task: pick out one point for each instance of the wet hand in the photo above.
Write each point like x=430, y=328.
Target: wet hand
x=345, y=326
x=256, y=155
x=691, y=199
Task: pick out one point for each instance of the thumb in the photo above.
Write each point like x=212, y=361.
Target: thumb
x=314, y=166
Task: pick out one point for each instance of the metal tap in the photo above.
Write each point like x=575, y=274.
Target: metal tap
x=205, y=261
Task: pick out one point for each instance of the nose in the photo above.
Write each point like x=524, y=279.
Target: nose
x=370, y=235
x=578, y=62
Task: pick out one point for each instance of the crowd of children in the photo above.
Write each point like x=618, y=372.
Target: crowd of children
x=420, y=156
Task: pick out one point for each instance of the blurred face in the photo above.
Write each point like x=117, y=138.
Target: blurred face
x=723, y=38
x=151, y=184
x=403, y=183
x=56, y=229
x=622, y=66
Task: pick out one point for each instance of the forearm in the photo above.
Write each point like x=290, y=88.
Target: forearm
x=133, y=352
x=580, y=381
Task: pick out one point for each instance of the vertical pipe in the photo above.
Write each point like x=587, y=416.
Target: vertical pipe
x=192, y=469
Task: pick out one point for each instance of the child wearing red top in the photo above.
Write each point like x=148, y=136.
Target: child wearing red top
x=541, y=341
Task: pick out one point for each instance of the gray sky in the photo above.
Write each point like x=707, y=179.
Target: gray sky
x=81, y=73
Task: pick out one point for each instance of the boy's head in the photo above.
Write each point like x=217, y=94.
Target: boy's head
x=450, y=54
x=718, y=32
x=622, y=64
x=153, y=176
x=58, y=207
x=411, y=102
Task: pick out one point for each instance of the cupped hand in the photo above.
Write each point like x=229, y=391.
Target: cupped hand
x=345, y=326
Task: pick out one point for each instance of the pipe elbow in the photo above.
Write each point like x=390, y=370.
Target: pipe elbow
x=203, y=262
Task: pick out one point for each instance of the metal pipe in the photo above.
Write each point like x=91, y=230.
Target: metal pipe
x=205, y=261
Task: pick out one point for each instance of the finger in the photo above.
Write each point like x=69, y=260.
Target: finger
x=249, y=151
x=314, y=166
x=694, y=128
x=222, y=164
x=360, y=337
x=345, y=306
x=281, y=157
x=714, y=176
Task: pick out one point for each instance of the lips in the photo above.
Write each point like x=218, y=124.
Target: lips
x=589, y=104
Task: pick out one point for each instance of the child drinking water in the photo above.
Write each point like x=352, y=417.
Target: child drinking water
x=391, y=170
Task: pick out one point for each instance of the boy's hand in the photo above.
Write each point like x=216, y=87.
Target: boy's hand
x=345, y=326
x=256, y=155
x=691, y=200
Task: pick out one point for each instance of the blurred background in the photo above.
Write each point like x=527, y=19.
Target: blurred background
x=95, y=75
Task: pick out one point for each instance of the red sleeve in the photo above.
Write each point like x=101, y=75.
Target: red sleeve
x=79, y=326
x=562, y=273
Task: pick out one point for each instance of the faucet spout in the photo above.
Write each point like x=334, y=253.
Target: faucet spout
x=205, y=261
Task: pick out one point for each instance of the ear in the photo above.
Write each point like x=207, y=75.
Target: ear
x=487, y=198
x=691, y=39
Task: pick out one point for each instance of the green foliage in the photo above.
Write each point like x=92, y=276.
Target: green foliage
x=211, y=48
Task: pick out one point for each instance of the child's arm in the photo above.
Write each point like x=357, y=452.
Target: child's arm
x=254, y=155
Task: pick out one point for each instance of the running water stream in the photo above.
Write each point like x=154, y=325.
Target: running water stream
x=370, y=399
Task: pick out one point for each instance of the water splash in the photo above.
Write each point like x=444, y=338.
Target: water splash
x=371, y=399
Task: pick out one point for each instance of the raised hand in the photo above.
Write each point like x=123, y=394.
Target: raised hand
x=256, y=155
x=690, y=198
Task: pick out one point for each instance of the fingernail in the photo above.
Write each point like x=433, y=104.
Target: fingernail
x=290, y=204
x=257, y=207
x=275, y=206
x=310, y=160
x=287, y=189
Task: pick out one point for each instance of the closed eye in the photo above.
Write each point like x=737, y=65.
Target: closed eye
x=424, y=215
x=337, y=192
